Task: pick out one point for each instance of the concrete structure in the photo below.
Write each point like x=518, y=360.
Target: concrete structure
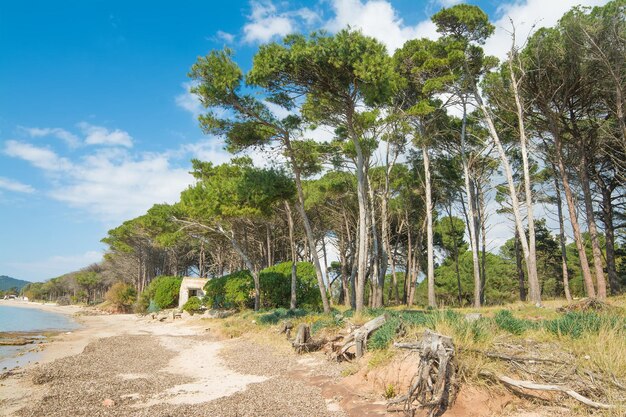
x=191, y=287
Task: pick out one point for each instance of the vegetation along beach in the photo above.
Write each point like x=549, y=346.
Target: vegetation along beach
x=336, y=208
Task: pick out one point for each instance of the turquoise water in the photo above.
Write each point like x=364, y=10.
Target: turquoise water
x=21, y=319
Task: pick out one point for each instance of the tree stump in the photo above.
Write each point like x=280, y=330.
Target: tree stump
x=435, y=385
x=286, y=328
x=358, y=338
x=302, y=343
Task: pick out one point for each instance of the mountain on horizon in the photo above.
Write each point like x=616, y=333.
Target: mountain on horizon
x=6, y=283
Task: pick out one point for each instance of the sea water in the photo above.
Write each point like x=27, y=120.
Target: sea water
x=30, y=320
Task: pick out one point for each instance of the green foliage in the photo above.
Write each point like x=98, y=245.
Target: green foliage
x=575, y=324
x=122, y=296
x=230, y=291
x=193, y=305
x=236, y=289
x=279, y=314
x=506, y=321
x=163, y=290
x=500, y=286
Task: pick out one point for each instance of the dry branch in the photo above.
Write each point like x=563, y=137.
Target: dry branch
x=358, y=338
x=545, y=387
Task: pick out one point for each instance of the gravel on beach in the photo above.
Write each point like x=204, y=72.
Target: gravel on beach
x=115, y=376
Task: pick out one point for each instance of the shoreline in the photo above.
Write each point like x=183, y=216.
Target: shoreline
x=143, y=367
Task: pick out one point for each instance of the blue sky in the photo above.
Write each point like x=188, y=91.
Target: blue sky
x=96, y=124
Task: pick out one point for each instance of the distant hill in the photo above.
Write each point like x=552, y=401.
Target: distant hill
x=6, y=283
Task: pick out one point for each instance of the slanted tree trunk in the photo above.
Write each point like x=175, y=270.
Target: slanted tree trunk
x=571, y=207
x=533, y=279
x=310, y=239
x=593, y=230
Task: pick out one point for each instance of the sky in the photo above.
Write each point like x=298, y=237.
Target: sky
x=96, y=120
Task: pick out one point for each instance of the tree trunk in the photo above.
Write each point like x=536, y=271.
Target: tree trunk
x=292, y=244
x=455, y=254
x=609, y=230
x=520, y=269
x=432, y=302
x=470, y=221
x=307, y=227
x=593, y=231
x=362, y=243
x=533, y=279
x=559, y=208
x=571, y=207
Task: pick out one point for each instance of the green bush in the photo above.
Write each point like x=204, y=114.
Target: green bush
x=121, y=296
x=276, y=286
x=233, y=290
x=237, y=289
x=193, y=305
x=163, y=290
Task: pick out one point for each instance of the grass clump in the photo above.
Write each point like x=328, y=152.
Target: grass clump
x=274, y=316
x=575, y=324
x=505, y=320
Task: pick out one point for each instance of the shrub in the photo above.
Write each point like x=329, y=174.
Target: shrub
x=237, y=289
x=276, y=286
x=193, y=305
x=163, y=290
x=232, y=290
x=121, y=296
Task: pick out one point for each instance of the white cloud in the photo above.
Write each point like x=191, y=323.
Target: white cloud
x=378, y=18
x=43, y=158
x=99, y=135
x=115, y=184
x=69, y=138
x=188, y=101
x=449, y=3
x=265, y=23
x=525, y=15
x=225, y=36
x=16, y=186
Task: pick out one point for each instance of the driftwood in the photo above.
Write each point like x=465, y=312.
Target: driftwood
x=358, y=338
x=545, y=387
x=435, y=386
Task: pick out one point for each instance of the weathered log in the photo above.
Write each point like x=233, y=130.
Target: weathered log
x=358, y=338
x=545, y=387
x=434, y=386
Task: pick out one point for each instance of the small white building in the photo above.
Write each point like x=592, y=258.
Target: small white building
x=191, y=287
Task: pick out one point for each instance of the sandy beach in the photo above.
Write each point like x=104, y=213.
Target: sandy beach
x=126, y=365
